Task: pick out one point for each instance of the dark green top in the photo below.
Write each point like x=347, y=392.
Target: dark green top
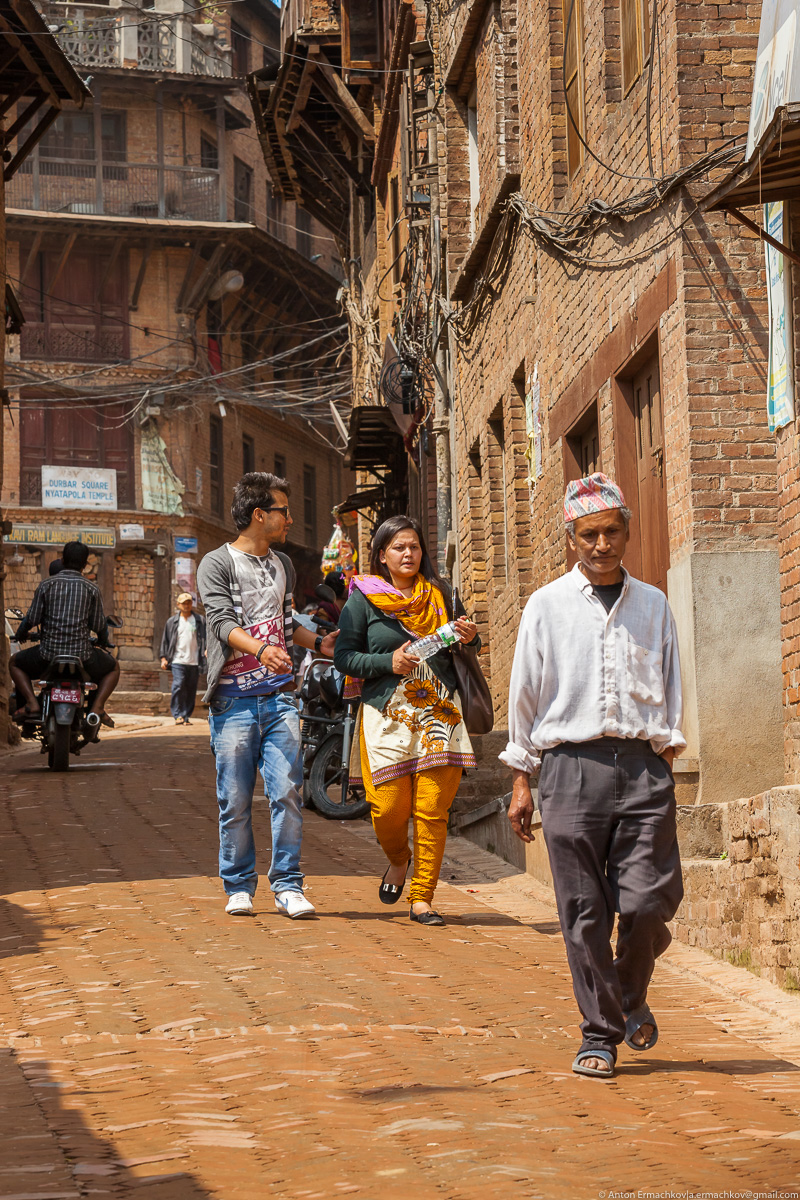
x=366, y=643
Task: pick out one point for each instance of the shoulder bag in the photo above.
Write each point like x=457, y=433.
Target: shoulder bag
x=476, y=699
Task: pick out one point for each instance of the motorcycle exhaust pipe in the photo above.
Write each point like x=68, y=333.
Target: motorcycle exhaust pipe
x=93, y=720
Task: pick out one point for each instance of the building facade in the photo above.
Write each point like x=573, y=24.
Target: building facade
x=180, y=320
x=538, y=289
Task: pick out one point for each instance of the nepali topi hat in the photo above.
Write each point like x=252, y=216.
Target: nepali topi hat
x=592, y=494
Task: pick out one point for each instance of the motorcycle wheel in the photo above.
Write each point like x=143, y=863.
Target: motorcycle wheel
x=58, y=750
x=325, y=784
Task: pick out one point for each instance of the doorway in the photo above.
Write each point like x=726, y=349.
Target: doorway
x=639, y=444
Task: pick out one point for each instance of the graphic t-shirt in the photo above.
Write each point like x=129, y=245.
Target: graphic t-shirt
x=262, y=584
x=186, y=645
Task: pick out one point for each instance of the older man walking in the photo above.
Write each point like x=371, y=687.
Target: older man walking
x=183, y=651
x=595, y=710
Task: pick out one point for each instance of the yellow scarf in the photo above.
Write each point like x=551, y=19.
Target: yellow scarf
x=422, y=612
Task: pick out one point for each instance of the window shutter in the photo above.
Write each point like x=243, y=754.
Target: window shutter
x=630, y=39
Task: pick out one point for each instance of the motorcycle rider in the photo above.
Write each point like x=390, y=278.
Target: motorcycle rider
x=67, y=607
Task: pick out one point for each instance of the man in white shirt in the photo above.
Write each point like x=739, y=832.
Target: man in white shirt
x=183, y=652
x=595, y=710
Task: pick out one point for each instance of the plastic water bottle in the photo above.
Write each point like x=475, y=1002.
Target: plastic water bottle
x=443, y=639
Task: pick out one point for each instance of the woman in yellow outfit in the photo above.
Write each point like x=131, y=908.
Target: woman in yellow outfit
x=413, y=742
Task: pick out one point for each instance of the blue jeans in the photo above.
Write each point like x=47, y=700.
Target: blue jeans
x=184, y=689
x=251, y=734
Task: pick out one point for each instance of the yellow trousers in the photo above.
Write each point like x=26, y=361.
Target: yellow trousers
x=425, y=797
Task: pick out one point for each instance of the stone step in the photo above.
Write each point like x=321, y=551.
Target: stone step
x=144, y=703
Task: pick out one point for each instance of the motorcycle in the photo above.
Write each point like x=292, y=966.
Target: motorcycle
x=327, y=724
x=64, y=724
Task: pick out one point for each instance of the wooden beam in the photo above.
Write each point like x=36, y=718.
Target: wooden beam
x=24, y=117
x=332, y=86
x=20, y=90
x=340, y=161
x=62, y=262
x=301, y=98
x=35, y=136
x=31, y=259
x=112, y=262
x=137, y=287
x=200, y=289
x=766, y=237
x=184, y=288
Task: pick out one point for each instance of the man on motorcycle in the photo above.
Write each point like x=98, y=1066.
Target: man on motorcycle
x=67, y=607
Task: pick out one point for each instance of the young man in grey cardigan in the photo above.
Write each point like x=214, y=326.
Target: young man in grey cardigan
x=246, y=587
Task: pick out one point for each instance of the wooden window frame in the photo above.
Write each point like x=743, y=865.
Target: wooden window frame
x=279, y=466
x=573, y=83
x=243, y=170
x=216, y=465
x=310, y=504
x=248, y=453
x=240, y=45
x=106, y=422
x=350, y=63
x=635, y=25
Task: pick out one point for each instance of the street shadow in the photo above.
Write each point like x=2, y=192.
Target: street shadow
x=549, y=928
x=733, y=1066
x=474, y=920
x=49, y=1150
x=399, y=1091
x=20, y=931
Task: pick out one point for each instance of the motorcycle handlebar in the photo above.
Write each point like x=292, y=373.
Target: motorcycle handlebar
x=321, y=623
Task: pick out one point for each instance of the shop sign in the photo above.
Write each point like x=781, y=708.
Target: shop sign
x=79, y=487
x=185, y=545
x=59, y=535
x=131, y=533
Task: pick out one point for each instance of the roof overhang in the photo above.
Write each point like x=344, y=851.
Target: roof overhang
x=771, y=173
x=37, y=79
x=374, y=444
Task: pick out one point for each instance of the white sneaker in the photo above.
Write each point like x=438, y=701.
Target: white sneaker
x=240, y=904
x=294, y=905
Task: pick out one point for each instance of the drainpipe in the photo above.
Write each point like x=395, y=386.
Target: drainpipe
x=441, y=410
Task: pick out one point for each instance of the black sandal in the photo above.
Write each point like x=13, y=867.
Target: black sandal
x=390, y=893
x=428, y=918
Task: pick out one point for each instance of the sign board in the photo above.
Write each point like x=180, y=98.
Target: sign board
x=780, y=396
x=777, y=75
x=59, y=535
x=131, y=533
x=186, y=576
x=79, y=487
x=185, y=545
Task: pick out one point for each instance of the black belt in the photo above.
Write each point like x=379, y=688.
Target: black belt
x=608, y=745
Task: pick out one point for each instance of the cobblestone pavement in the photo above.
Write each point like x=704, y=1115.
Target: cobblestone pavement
x=153, y=1047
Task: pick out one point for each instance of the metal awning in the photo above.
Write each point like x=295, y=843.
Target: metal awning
x=372, y=497
x=374, y=443
x=771, y=173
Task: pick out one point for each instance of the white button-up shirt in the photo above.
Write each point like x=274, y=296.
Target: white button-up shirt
x=582, y=673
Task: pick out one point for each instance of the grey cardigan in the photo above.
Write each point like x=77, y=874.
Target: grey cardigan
x=222, y=600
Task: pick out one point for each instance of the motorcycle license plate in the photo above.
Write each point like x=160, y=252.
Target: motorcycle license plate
x=66, y=694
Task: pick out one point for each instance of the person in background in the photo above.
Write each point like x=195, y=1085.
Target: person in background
x=68, y=608
x=183, y=651
x=56, y=567
x=246, y=587
x=413, y=741
x=330, y=609
x=595, y=711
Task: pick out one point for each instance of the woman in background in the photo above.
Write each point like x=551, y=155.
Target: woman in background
x=413, y=742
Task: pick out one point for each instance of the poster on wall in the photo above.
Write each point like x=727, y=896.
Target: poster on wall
x=161, y=488
x=776, y=80
x=533, y=428
x=780, y=394
x=186, y=576
x=79, y=487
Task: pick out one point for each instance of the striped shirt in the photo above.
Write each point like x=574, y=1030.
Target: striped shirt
x=67, y=608
x=582, y=673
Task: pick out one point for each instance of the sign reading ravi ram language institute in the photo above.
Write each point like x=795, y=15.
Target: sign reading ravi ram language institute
x=59, y=535
x=79, y=487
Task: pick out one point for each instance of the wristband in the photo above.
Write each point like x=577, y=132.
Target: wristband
x=318, y=643
x=258, y=656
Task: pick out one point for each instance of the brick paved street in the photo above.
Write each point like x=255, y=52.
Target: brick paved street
x=154, y=1047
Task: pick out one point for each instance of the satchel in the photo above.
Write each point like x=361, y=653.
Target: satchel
x=476, y=699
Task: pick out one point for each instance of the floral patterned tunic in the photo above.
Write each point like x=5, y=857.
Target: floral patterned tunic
x=420, y=727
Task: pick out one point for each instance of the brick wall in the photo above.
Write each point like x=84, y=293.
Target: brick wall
x=586, y=322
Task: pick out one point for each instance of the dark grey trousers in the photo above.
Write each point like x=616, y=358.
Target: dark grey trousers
x=608, y=818
x=184, y=689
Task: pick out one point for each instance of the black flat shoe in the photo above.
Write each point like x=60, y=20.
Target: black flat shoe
x=427, y=918
x=390, y=893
